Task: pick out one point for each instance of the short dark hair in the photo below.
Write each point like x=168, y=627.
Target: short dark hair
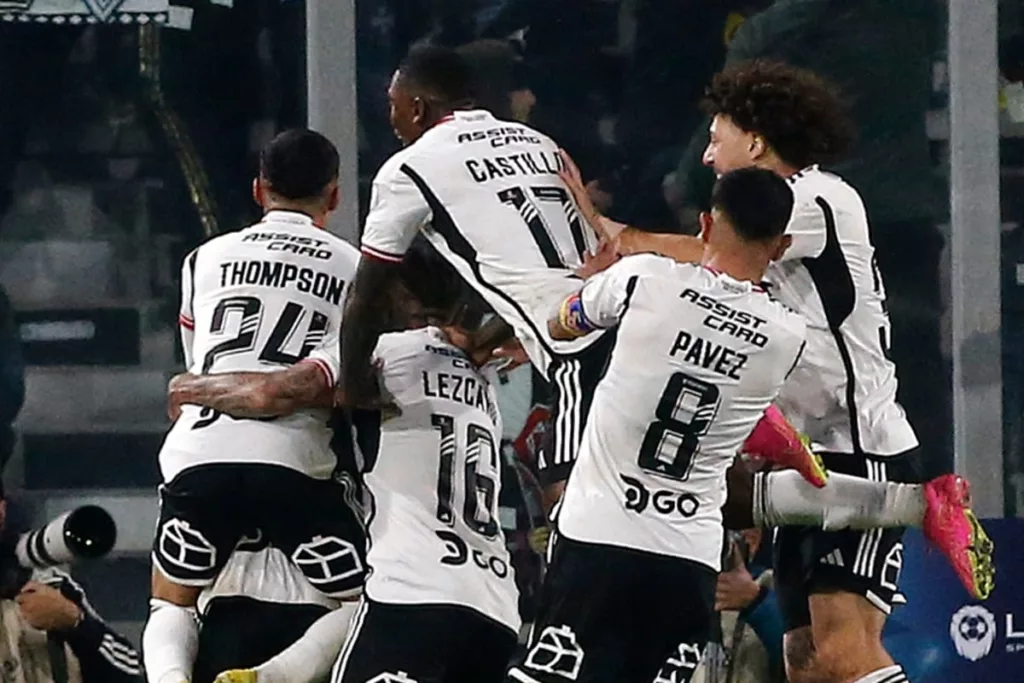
x=440, y=73
x=798, y=112
x=758, y=203
x=299, y=164
x=440, y=289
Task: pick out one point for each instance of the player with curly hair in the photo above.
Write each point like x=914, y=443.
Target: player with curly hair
x=835, y=587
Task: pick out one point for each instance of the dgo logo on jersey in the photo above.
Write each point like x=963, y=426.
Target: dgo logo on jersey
x=973, y=630
x=556, y=652
x=185, y=547
x=329, y=563
x=638, y=497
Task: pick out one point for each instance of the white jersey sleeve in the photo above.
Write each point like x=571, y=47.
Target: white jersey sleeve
x=807, y=230
x=327, y=357
x=397, y=211
x=186, y=318
x=604, y=297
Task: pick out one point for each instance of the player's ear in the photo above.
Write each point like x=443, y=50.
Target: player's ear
x=257, y=191
x=333, y=196
x=781, y=246
x=706, y=222
x=758, y=146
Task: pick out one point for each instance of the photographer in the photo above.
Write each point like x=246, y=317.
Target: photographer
x=48, y=631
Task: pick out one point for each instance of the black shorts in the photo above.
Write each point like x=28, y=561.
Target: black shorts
x=809, y=560
x=206, y=510
x=423, y=644
x=241, y=633
x=614, y=615
x=574, y=380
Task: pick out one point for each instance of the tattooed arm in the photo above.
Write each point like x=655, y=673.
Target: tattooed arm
x=254, y=394
x=367, y=314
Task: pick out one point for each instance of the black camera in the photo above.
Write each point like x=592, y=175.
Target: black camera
x=87, y=532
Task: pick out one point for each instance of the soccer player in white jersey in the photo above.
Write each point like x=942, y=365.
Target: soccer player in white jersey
x=260, y=299
x=629, y=592
x=835, y=587
x=487, y=194
x=440, y=602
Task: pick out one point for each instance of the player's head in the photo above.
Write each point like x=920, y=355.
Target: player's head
x=298, y=171
x=773, y=115
x=446, y=299
x=750, y=209
x=430, y=83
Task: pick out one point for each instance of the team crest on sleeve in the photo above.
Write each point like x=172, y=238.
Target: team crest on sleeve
x=556, y=652
x=185, y=547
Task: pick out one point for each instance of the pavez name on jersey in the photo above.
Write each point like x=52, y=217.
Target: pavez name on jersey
x=260, y=300
x=698, y=358
x=434, y=531
x=843, y=392
x=487, y=194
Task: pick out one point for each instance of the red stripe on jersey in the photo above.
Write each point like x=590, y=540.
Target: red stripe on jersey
x=324, y=368
x=186, y=322
x=382, y=255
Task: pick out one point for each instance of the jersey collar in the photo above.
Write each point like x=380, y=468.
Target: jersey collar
x=290, y=217
x=756, y=286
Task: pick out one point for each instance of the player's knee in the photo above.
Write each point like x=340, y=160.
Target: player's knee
x=837, y=653
x=162, y=588
x=800, y=655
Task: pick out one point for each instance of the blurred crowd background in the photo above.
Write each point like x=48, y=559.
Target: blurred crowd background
x=129, y=131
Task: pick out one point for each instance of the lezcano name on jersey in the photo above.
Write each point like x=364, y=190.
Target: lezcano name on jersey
x=458, y=388
x=282, y=276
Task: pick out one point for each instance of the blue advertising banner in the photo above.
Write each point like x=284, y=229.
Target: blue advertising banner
x=942, y=635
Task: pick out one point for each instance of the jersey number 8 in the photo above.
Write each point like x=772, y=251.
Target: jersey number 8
x=685, y=412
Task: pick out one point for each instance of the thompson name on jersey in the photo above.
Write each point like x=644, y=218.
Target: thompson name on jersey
x=698, y=358
x=843, y=392
x=259, y=300
x=487, y=194
x=435, y=536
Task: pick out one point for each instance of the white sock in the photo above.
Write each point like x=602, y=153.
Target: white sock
x=782, y=498
x=890, y=674
x=169, y=642
x=311, y=657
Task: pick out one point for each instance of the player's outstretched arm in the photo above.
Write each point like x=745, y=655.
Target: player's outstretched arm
x=366, y=317
x=624, y=239
x=253, y=394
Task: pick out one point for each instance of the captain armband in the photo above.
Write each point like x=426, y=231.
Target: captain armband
x=572, y=318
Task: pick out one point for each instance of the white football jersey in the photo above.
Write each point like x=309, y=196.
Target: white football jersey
x=435, y=535
x=698, y=357
x=487, y=194
x=843, y=392
x=260, y=300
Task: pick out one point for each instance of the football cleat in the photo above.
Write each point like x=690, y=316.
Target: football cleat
x=777, y=442
x=237, y=676
x=952, y=527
